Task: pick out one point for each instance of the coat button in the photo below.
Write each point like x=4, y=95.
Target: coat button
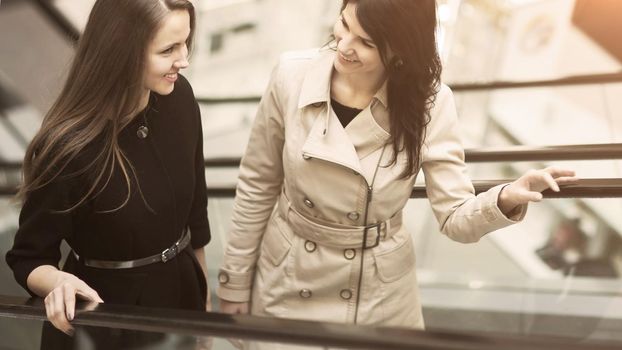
x=308, y=203
x=142, y=132
x=310, y=246
x=223, y=277
x=305, y=156
x=345, y=294
x=353, y=216
x=305, y=293
x=349, y=254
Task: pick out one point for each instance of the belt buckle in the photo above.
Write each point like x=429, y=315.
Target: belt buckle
x=169, y=253
x=366, y=230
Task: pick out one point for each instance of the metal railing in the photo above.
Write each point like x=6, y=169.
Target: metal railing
x=252, y=328
x=587, y=188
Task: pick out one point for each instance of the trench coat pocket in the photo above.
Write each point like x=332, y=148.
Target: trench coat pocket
x=276, y=243
x=395, y=263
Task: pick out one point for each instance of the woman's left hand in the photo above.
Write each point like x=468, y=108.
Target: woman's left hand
x=528, y=187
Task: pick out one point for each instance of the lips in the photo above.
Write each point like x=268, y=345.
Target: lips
x=344, y=58
x=172, y=77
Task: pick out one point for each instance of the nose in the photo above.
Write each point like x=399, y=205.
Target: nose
x=345, y=45
x=182, y=62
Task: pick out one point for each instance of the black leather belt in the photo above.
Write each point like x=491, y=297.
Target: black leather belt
x=166, y=255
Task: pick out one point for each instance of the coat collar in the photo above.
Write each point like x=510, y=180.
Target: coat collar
x=316, y=83
x=328, y=139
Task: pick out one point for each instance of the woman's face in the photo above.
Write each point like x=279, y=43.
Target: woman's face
x=356, y=51
x=167, y=53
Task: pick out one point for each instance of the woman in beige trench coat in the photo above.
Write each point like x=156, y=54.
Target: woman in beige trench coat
x=317, y=225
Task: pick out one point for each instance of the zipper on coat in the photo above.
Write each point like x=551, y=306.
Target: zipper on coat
x=368, y=200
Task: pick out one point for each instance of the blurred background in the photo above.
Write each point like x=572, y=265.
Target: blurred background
x=556, y=274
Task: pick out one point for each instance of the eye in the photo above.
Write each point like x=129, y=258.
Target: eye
x=169, y=50
x=344, y=23
x=368, y=44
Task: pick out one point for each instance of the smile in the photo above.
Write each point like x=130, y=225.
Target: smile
x=346, y=59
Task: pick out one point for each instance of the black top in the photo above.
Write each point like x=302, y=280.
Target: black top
x=170, y=170
x=344, y=113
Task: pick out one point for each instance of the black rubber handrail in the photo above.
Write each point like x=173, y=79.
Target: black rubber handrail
x=253, y=328
x=505, y=154
x=584, y=188
x=489, y=154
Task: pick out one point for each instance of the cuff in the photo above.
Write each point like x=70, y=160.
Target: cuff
x=234, y=286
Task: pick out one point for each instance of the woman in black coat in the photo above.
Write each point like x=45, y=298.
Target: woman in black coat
x=117, y=171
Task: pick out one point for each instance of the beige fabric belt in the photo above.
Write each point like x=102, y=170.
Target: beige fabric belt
x=339, y=237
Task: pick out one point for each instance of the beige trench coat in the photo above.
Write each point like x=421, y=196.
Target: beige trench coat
x=295, y=246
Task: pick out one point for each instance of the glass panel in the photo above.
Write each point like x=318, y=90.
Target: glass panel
x=557, y=273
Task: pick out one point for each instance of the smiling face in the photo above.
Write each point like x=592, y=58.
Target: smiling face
x=356, y=51
x=167, y=53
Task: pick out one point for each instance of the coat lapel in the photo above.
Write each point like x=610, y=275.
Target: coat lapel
x=328, y=139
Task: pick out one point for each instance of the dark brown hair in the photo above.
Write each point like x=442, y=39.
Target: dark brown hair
x=406, y=29
x=100, y=97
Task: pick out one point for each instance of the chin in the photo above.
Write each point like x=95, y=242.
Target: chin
x=165, y=90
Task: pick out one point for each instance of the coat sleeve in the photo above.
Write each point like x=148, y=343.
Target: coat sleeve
x=462, y=216
x=198, y=222
x=41, y=229
x=259, y=184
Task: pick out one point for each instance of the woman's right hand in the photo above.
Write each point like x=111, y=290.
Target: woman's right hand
x=229, y=307
x=61, y=301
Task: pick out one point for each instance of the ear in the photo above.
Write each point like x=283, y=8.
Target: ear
x=396, y=63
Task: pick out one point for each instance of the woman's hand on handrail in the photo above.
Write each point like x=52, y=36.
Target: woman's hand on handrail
x=529, y=187
x=60, y=289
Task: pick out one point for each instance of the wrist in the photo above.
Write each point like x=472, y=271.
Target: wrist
x=505, y=202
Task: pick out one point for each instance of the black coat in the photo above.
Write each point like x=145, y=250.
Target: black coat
x=170, y=170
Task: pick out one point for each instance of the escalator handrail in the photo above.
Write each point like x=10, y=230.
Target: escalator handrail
x=584, y=188
x=474, y=155
x=255, y=328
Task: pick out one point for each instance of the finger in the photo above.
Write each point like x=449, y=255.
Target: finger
x=58, y=314
x=549, y=181
x=564, y=180
x=558, y=172
x=88, y=293
x=524, y=197
x=69, y=293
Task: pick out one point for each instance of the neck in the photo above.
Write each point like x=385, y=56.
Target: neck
x=144, y=101
x=355, y=90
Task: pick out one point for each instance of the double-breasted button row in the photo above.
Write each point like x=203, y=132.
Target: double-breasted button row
x=349, y=254
x=345, y=294
x=310, y=246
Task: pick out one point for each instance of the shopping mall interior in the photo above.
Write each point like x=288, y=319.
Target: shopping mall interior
x=535, y=84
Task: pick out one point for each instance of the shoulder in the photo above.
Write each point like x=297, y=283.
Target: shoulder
x=294, y=65
x=443, y=103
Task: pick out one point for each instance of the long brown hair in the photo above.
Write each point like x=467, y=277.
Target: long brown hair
x=407, y=29
x=100, y=97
